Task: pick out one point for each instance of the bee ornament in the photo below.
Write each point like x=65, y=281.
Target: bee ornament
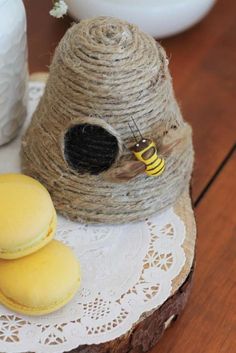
x=145, y=151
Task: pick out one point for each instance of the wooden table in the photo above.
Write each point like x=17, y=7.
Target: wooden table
x=203, y=65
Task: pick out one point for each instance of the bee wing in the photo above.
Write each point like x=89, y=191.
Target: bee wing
x=176, y=141
x=125, y=172
x=166, y=149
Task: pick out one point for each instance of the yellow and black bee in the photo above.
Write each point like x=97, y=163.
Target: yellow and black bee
x=147, y=160
x=145, y=151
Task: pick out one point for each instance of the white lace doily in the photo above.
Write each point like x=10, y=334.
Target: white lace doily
x=127, y=270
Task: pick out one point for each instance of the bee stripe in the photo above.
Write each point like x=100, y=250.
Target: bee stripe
x=159, y=171
x=151, y=159
x=147, y=164
x=155, y=164
x=158, y=167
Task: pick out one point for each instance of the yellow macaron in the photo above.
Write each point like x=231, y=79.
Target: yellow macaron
x=27, y=216
x=40, y=283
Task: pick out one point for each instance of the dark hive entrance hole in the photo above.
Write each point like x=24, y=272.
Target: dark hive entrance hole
x=90, y=148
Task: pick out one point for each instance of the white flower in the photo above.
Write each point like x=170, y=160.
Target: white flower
x=59, y=9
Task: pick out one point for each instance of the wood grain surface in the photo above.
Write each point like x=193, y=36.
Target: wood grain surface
x=202, y=62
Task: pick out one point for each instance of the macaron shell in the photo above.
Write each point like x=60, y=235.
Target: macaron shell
x=27, y=214
x=20, y=178
x=40, y=283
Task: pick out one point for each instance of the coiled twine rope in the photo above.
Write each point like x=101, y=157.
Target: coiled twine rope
x=106, y=73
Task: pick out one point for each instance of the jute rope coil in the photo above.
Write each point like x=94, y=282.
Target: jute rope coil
x=106, y=72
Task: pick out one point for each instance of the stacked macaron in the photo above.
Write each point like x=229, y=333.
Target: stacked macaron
x=38, y=275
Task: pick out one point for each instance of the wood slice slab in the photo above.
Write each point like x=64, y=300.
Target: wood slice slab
x=151, y=325
x=145, y=333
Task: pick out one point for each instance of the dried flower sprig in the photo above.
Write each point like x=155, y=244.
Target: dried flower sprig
x=59, y=9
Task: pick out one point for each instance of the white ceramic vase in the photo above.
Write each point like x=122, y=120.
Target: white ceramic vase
x=160, y=18
x=13, y=68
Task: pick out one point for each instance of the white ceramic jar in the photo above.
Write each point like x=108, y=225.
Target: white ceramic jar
x=13, y=68
x=160, y=18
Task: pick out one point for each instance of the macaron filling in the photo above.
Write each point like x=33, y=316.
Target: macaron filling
x=27, y=216
x=39, y=241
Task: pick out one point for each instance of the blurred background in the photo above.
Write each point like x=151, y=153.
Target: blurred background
x=200, y=39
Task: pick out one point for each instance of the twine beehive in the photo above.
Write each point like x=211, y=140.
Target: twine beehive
x=105, y=75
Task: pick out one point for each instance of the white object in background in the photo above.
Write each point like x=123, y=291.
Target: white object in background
x=160, y=18
x=13, y=68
